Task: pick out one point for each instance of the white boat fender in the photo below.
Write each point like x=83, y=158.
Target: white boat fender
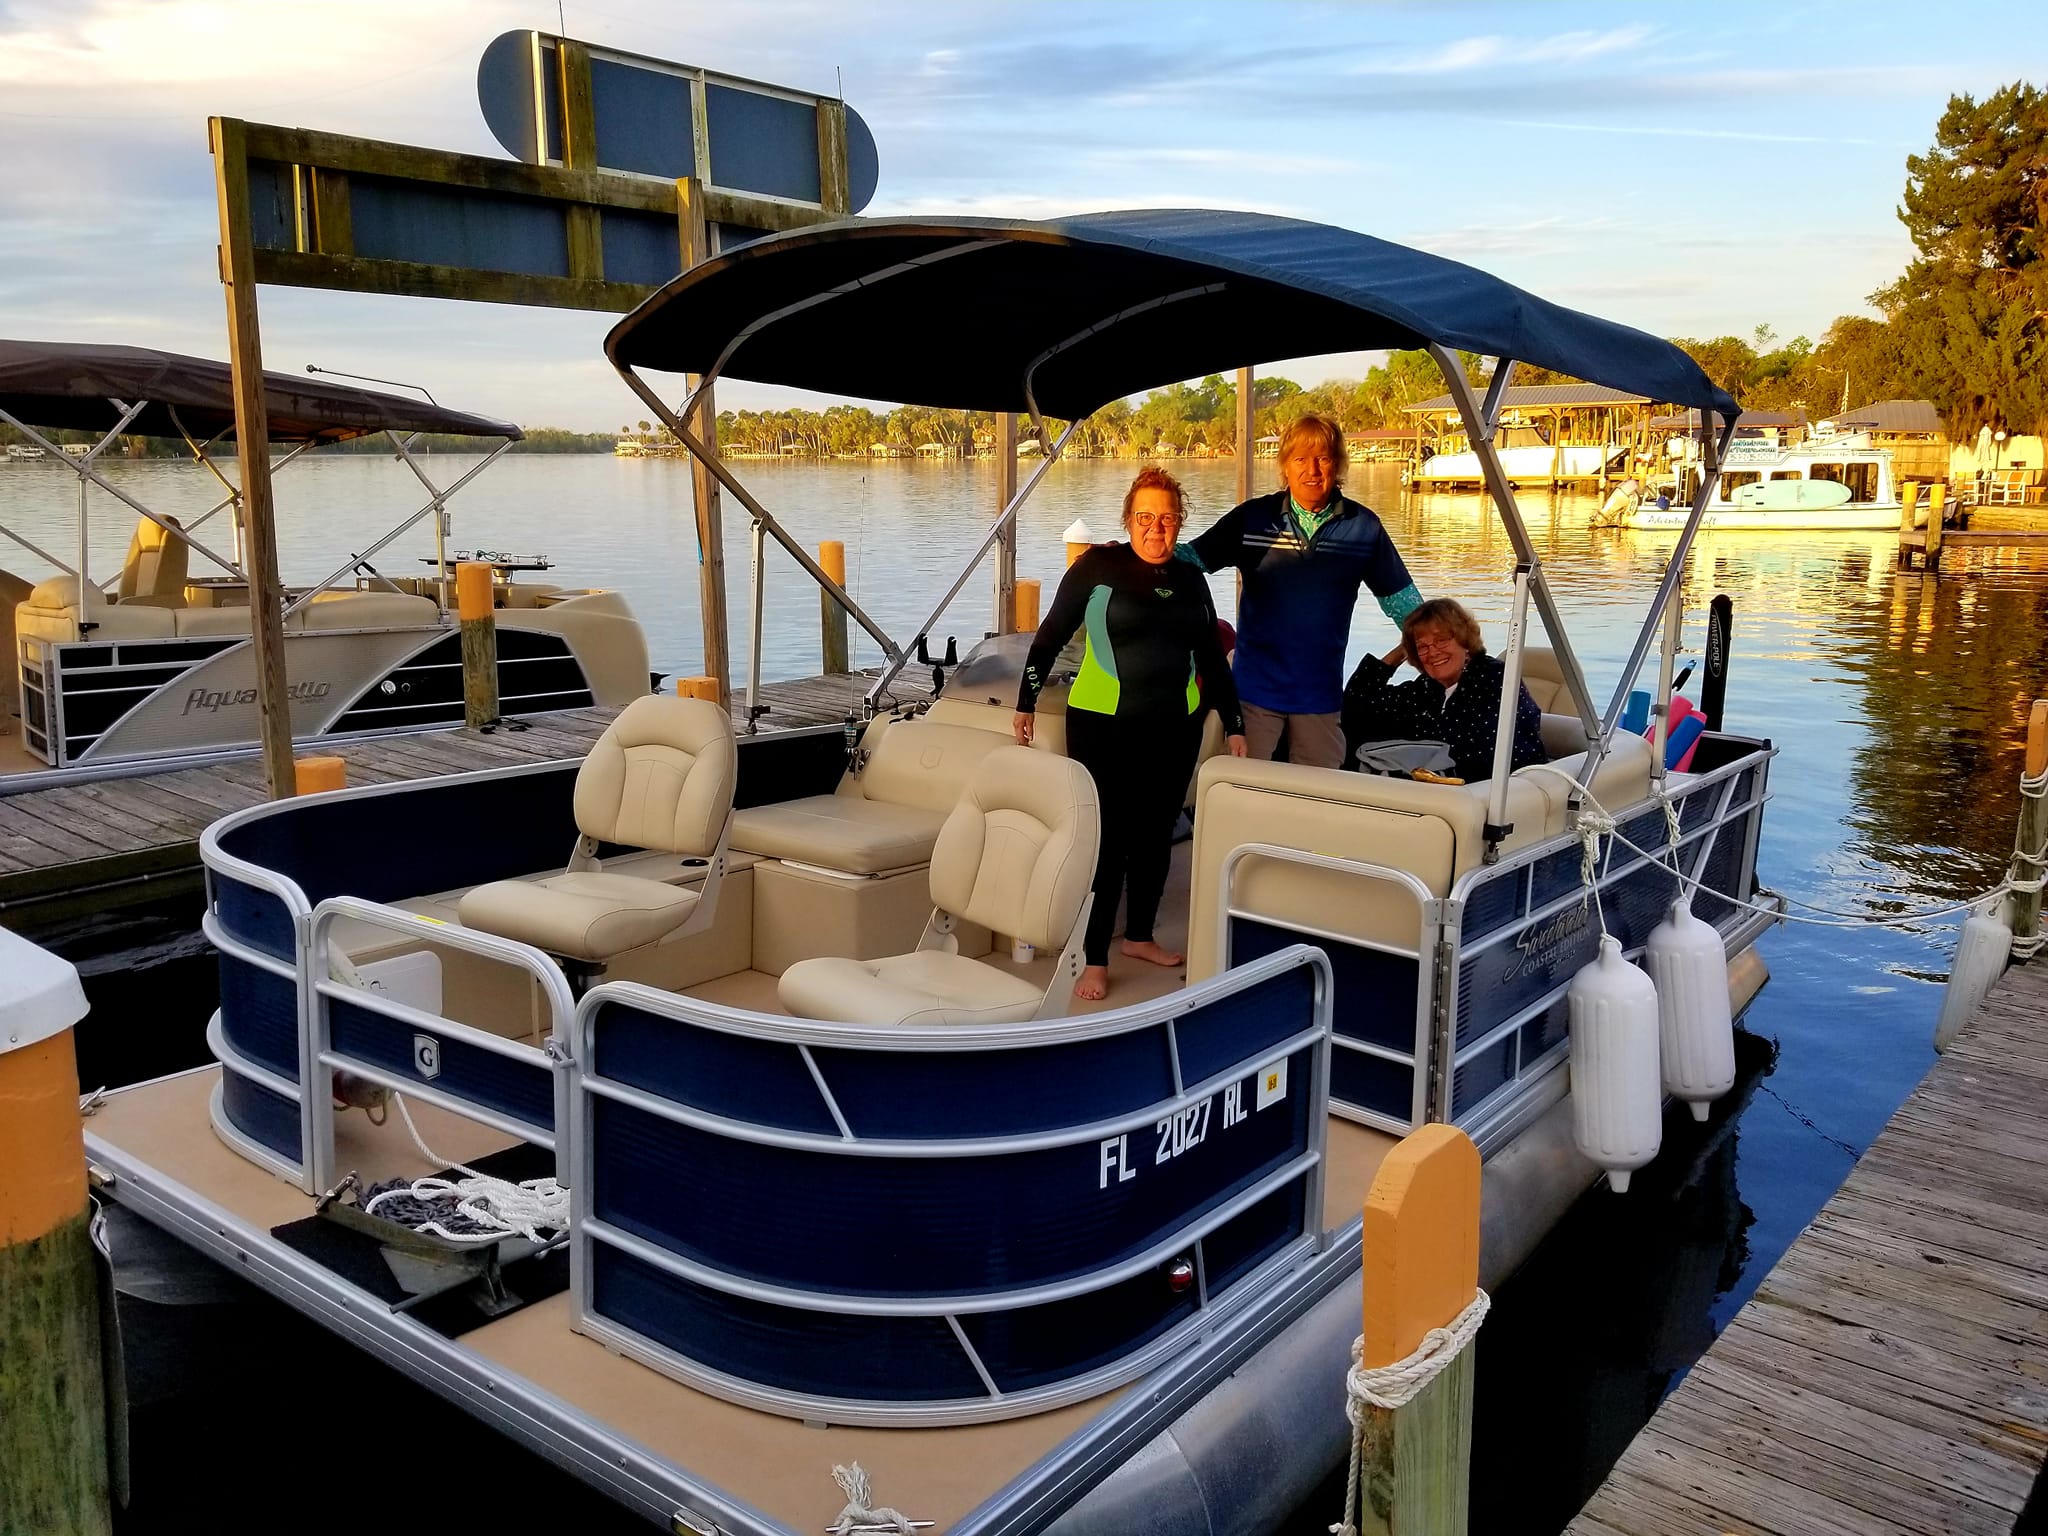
x=1981, y=953
x=1688, y=965
x=1617, y=1097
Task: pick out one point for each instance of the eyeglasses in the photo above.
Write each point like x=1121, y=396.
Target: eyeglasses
x=1167, y=520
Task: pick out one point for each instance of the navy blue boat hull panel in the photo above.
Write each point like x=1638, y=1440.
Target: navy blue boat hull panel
x=524, y=1090
x=259, y=1015
x=940, y=1225
x=269, y=1119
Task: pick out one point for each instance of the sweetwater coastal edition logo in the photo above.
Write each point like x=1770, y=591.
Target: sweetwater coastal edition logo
x=1539, y=945
x=213, y=700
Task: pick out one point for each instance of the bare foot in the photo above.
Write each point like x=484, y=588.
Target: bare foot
x=1146, y=949
x=1094, y=983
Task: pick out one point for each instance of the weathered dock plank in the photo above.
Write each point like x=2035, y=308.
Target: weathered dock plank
x=91, y=835
x=1891, y=1373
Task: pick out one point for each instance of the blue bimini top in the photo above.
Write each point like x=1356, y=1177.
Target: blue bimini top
x=1065, y=315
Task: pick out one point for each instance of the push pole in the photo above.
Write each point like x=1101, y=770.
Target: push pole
x=53, y=1417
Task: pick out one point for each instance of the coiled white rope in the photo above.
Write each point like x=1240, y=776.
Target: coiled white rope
x=1601, y=823
x=1396, y=1385
x=861, y=1517
x=534, y=1209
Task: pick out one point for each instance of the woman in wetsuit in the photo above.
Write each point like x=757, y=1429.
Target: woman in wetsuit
x=1134, y=715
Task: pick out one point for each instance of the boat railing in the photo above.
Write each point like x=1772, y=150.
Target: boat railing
x=1516, y=932
x=950, y=1223
x=1379, y=1074
x=359, y=1021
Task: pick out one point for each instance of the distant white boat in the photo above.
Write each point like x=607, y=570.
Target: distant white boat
x=1825, y=483
x=23, y=451
x=1528, y=463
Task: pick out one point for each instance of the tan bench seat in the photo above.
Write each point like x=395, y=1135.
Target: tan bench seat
x=885, y=818
x=846, y=833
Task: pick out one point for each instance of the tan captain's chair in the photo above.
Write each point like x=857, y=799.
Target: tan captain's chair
x=157, y=564
x=1016, y=855
x=661, y=777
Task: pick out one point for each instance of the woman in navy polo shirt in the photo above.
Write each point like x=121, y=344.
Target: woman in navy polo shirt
x=1304, y=551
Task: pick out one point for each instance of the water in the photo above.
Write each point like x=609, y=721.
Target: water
x=1898, y=705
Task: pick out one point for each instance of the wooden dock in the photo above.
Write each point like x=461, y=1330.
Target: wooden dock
x=112, y=842
x=1891, y=1374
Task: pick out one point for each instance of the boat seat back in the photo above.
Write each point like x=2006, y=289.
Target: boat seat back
x=1431, y=832
x=14, y=591
x=1016, y=855
x=885, y=818
x=364, y=610
x=51, y=613
x=662, y=778
x=1622, y=780
x=1544, y=679
x=157, y=564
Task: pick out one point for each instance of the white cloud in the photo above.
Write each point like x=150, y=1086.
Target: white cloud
x=1485, y=52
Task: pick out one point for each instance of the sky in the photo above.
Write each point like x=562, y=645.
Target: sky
x=1689, y=170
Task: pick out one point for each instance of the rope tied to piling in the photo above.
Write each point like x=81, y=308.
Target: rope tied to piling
x=2025, y=947
x=1399, y=1383
x=861, y=1516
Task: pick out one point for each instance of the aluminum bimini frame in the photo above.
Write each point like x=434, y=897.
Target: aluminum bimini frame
x=81, y=465
x=72, y=385
x=1262, y=277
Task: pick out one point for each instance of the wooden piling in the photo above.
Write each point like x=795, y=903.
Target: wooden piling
x=1909, y=505
x=1421, y=1271
x=2033, y=837
x=53, y=1424
x=831, y=615
x=473, y=605
x=1027, y=605
x=1930, y=554
x=1006, y=537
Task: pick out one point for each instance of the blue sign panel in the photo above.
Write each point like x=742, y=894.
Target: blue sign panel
x=759, y=139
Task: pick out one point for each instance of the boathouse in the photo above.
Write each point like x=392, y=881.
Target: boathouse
x=1550, y=435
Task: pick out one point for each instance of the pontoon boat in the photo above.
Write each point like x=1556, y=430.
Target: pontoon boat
x=850, y=1176
x=154, y=662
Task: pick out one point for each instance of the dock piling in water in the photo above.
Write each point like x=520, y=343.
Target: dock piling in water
x=473, y=604
x=2030, y=849
x=53, y=1427
x=1421, y=1273
x=831, y=616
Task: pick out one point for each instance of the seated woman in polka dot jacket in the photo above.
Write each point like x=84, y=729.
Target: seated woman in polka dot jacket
x=1456, y=700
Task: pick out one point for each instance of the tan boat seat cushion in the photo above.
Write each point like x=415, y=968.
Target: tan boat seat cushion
x=364, y=610
x=213, y=621
x=885, y=818
x=1544, y=679
x=661, y=777
x=925, y=987
x=1016, y=856
x=840, y=832
x=50, y=612
x=587, y=915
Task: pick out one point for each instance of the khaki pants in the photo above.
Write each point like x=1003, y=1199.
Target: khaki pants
x=1316, y=740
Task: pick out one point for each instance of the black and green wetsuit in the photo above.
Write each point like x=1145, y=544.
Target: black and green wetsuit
x=1153, y=660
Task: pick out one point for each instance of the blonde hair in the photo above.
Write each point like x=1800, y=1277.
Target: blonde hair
x=1329, y=436
x=1452, y=617
x=1153, y=478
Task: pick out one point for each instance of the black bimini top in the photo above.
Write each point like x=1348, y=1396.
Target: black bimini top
x=53, y=384
x=955, y=313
